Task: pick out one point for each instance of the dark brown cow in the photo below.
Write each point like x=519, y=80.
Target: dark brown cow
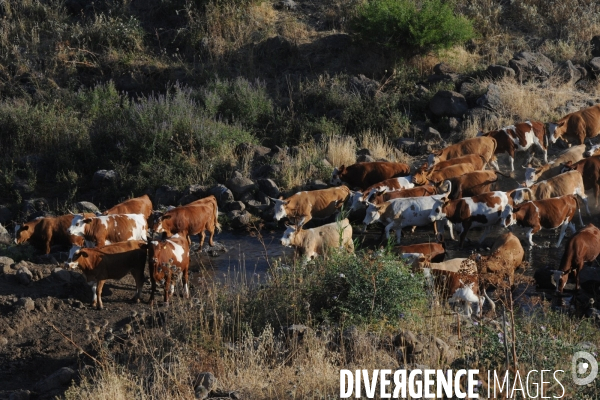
x=582, y=248
x=422, y=176
x=189, y=220
x=577, y=126
x=112, y=262
x=470, y=184
x=44, y=232
x=362, y=175
x=549, y=214
x=520, y=137
x=428, y=252
x=138, y=205
x=166, y=257
x=483, y=146
x=589, y=168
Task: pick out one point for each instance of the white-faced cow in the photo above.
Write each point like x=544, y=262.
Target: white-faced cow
x=554, y=168
x=304, y=206
x=577, y=126
x=362, y=175
x=169, y=259
x=358, y=198
x=318, y=241
x=483, y=146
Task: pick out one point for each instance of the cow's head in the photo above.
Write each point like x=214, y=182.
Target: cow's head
x=434, y=158
x=444, y=187
x=521, y=195
x=23, y=233
x=507, y=217
x=556, y=130
x=373, y=213
x=158, y=223
x=280, y=208
x=593, y=151
x=287, y=239
x=438, y=212
x=79, y=260
x=560, y=278
x=338, y=173
x=566, y=167
x=420, y=176
x=356, y=200
x=77, y=227
x=531, y=175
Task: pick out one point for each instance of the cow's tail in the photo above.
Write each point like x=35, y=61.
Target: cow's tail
x=579, y=200
x=217, y=225
x=493, y=156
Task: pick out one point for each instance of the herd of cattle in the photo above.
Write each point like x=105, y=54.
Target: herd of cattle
x=452, y=190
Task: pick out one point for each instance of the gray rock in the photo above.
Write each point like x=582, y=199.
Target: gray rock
x=531, y=66
x=567, y=72
x=491, y=99
x=286, y=5
x=326, y=163
x=61, y=274
x=234, y=206
x=480, y=117
x=240, y=185
x=446, y=103
x=57, y=380
x=582, y=71
x=26, y=303
x=5, y=269
x=275, y=48
x=262, y=198
x=20, y=394
x=200, y=392
x=192, y=193
x=246, y=197
x=364, y=85
x=85, y=207
x=266, y=171
x=37, y=205
x=421, y=91
x=364, y=158
x=499, y=72
x=454, y=124
x=6, y=262
x=257, y=152
x=104, y=178
x=364, y=152
x=316, y=184
x=206, y=379
x=595, y=66
x=222, y=194
x=404, y=144
x=24, y=275
x=5, y=214
x=241, y=220
x=3, y=341
x=432, y=134
x=166, y=196
x=268, y=187
x=595, y=42
x=255, y=207
x=443, y=69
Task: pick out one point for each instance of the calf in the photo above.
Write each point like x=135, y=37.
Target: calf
x=304, y=206
x=568, y=183
x=316, y=241
x=470, y=184
x=422, y=176
x=554, y=168
x=582, y=248
x=112, y=262
x=192, y=219
x=481, y=210
x=166, y=257
x=549, y=214
x=138, y=205
x=44, y=232
x=109, y=229
x=483, y=146
x=389, y=185
x=363, y=175
x=589, y=168
x=520, y=137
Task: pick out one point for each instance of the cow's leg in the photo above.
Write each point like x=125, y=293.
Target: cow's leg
x=387, y=229
x=511, y=159
x=596, y=192
x=93, y=286
x=563, y=230
x=186, y=290
x=398, y=230
x=572, y=228
x=529, y=234
x=466, y=226
x=202, y=237
x=139, y=284
x=99, y=287
x=303, y=221
x=210, y=238
x=585, y=201
x=450, y=226
x=152, y=289
x=484, y=234
x=168, y=286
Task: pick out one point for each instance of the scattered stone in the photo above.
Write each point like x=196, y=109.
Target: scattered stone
x=268, y=187
x=262, y=198
x=57, y=380
x=234, y=206
x=61, y=274
x=595, y=66
x=200, y=392
x=364, y=85
x=453, y=124
x=266, y=171
x=432, y=134
x=491, y=99
x=34, y=206
x=365, y=152
x=85, y=207
x=103, y=178
x=567, y=71
x=286, y=5
x=240, y=185
x=26, y=303
x=446, y=103
x=241, y=220
x=317, y=184
x=499, y=72
x=443, y=69
x=255, y=207
x=166, y=196
x=364, y=158
x=192, y=193
x=421, y=90
x=222, y=194
x=24, y=275
x=582, y=71
x=206, y=379
x=595, y=42
x=5, y=214
x=6, y=262
x=531, y=66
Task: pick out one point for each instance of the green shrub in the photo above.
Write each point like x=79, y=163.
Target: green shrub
x=402, y=24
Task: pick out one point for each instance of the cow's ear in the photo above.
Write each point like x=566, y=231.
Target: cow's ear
x=82, y=253
x=87, y=220
x=559, y=124
x=166, y=217
x=24, y=228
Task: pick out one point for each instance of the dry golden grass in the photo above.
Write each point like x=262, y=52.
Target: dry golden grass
x=340, y=150
x=293, y=29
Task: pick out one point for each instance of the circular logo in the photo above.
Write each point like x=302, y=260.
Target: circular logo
x=589, y=366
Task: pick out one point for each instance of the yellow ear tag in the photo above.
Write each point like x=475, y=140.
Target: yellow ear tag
x=164, y=247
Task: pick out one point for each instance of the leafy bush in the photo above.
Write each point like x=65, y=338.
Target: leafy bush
x=402, y=24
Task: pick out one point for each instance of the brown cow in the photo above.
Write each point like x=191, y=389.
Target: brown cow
x=470, y=184
x=381, y=197
x=483, y=146
x=189, y=220
x=138, y=205
x=421, y=252
x=582, y=248
x=573, y=154
x=362, y=175
x=422, y=176
x=551, y=213
x=477, y=161
x=44, y=232
x=166, y=257
x=303, y=206
x=520, y=137
x=589, y=168
x=112, y=262
x=577, y=126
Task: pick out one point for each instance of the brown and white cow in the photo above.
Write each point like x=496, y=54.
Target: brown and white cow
x=138, y=205
x=557, y=212
x=415, y=254
x=573, y=154
x=470, y=184
x=317, y=241
x=107, y=229
x=577, y=126
x=358, y=198
x=188, y=220
x=44, y=232
x=582, y=248
x=482, y=210
x=422, y=176
x=168, y=258
x=304, y=206
x=593, y=151
x=589, y=168
x=364, y=174
x=112, y=262
x=570, y=182
x=523, y=136
x=420, y=191
x=483, y=146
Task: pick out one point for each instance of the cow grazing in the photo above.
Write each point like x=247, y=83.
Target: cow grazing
x=112, y=262
x=483, y=146
x=389, y=185
x=304, y=206
x=589, y=168
x=582, y=248
x=166, y=258
x=577, y=126
x=520, y=137
x=138, y=205
x=399, y=213
x=365, y=174
x=557, y=212
x=482, y=210
x=44, y=232
x=109, y=229
x=470, y=184
x=188, y=220
x=422, y=252
x=554, y=168
x=422, y=176
x=317, y=241
x=568, y=183
x=457, y=287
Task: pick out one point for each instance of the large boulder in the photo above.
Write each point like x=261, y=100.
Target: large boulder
x=240, y=185
x=491, y=99
x=568, y=72
x=192, y=193
x=595, y=66
x=24, y=275
x=499, y=72
x=103, y=178
x=38, y=206
x=531, y=66
x=595, y=42
x=446, y=103
x=364, y=85
x=268, y=187
x=4, y=236
x=85, y=207
x=222, y=194
x=58, y=380
x=5, y=214
x=166, y=196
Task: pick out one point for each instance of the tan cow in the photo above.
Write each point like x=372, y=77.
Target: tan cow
x=317, y=241
x=577, y=126
x=505, y=257
x=304, y=206
x=483, y=146
x=422, y=176
x=470, y=184
x=554, y=168
x=477, y=161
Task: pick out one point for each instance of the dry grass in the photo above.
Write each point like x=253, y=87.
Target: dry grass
x=340, y=150
x=379, y=146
